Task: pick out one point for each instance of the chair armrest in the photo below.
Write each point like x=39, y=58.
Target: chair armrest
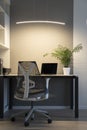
x=47, y=82
x=47, y=87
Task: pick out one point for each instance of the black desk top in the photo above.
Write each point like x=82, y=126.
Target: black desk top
x=45, y=75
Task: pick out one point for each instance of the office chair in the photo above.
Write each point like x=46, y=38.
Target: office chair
x=28, y=91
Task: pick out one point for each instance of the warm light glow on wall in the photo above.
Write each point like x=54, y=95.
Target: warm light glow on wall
x=50, y=22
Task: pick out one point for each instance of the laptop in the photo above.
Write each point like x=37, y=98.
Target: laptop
x=49, y=68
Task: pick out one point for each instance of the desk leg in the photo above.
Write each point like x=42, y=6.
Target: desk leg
x=10, y=93
x=1, y=97
x=76, y=98
x=12, y=85
x=71, y=106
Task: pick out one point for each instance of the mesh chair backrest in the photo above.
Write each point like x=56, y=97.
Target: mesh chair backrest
x=27, y=68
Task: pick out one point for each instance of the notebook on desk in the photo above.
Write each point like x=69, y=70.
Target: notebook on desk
x=49, y=68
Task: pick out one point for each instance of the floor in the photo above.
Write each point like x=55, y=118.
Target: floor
x=62, y=120
x=56, y=125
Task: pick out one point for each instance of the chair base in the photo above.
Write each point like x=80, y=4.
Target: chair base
x=29, y=115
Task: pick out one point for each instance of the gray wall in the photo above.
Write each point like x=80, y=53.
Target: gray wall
x=80, y=36
x=31, y=41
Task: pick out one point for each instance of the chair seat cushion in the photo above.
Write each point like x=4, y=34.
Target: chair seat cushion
x=32, y=92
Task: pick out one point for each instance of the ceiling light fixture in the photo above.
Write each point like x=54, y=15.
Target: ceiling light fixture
x=50, y=22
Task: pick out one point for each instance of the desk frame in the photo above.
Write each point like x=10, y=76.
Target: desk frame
x=12, y=77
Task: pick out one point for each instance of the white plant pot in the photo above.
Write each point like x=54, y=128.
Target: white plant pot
x=66, y=70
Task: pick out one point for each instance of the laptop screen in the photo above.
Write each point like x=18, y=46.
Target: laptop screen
x=49, y=68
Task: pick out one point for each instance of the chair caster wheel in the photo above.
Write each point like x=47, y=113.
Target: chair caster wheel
x=13, y=119
x=49, y=121
x=26, y=123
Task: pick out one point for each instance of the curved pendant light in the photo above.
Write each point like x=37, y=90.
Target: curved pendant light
x=41, y=21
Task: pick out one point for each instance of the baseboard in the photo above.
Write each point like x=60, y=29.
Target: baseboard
x=41, y=107
x=49, y=107
x=83, y=107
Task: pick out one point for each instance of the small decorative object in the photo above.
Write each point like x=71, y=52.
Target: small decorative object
x=6, y=71
x=64, y=54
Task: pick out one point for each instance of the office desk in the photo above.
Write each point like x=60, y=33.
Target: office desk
x=12, y=78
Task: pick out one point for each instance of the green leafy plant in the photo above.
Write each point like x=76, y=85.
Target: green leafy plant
x=64, y=54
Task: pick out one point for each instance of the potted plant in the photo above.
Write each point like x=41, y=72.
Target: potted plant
x=64, y=54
